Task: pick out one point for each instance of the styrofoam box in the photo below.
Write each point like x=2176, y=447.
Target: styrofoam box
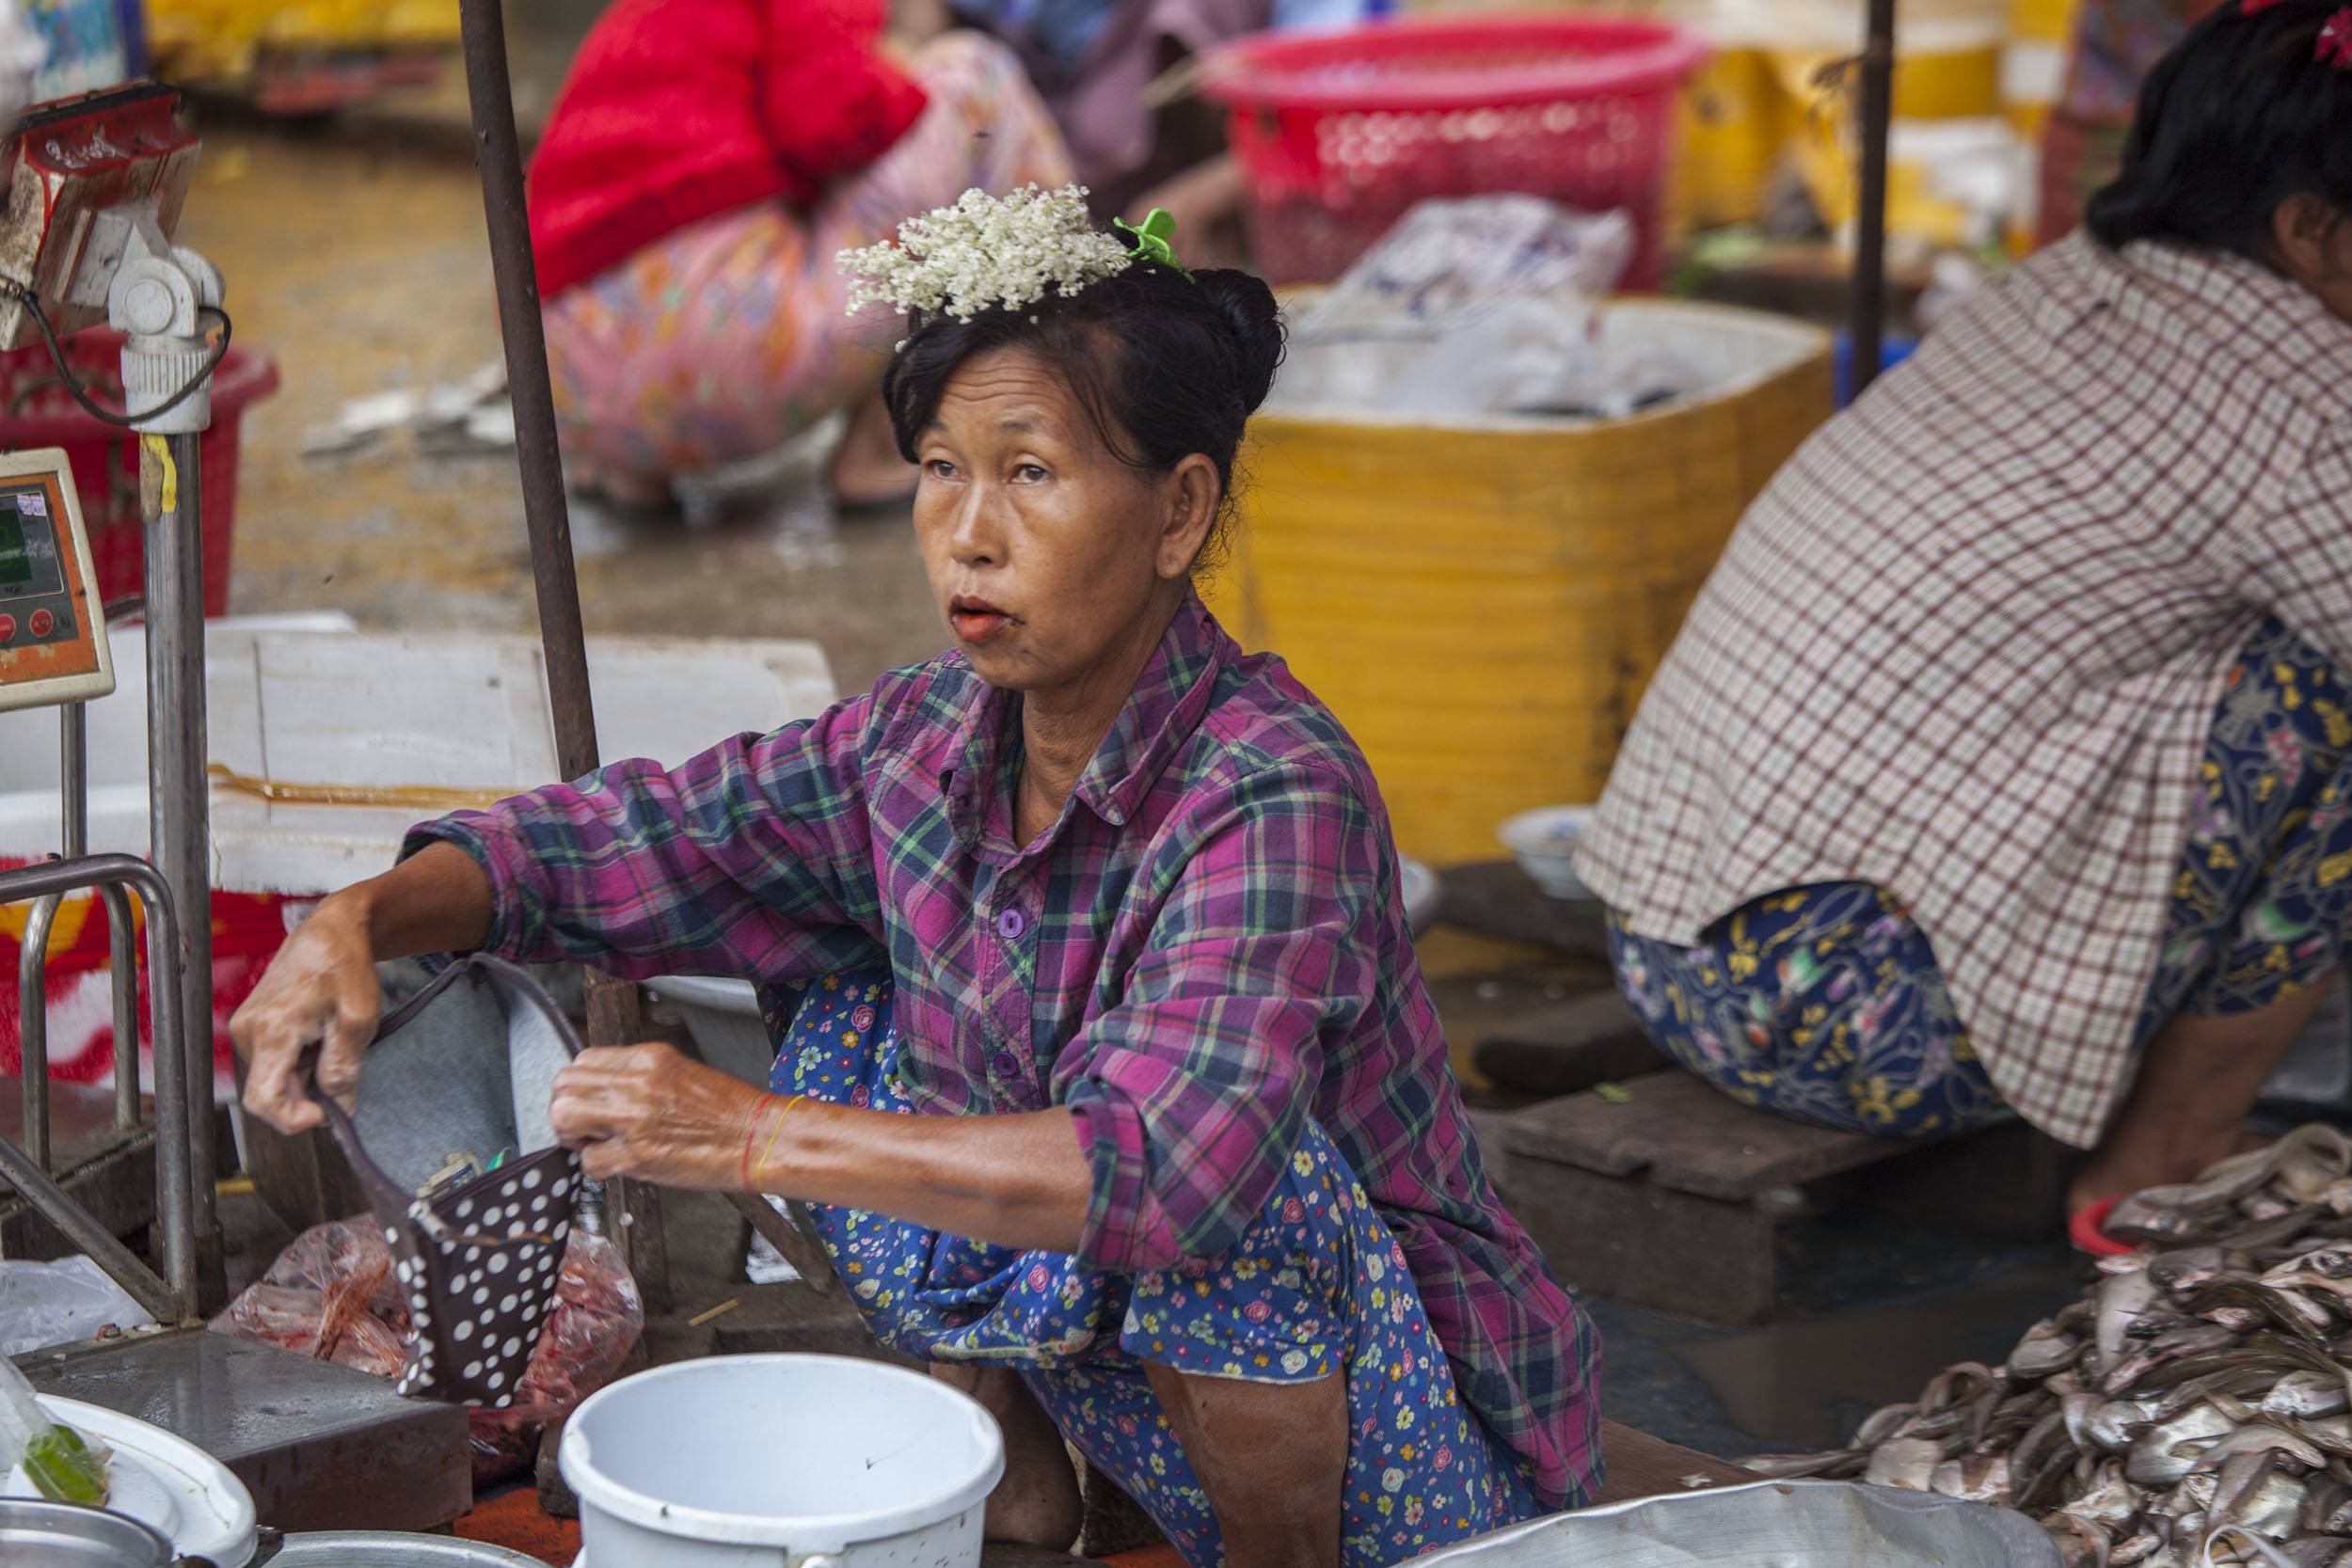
x=310, y=702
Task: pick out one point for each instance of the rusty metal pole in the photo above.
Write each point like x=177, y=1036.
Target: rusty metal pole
x=497, y=150
x=612, y=1009
x=1870, y=264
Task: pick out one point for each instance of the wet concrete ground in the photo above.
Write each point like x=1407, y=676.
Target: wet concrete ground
x=363, y=269
x=360, y=264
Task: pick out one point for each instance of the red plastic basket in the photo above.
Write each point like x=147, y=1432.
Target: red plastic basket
x=37, y=411
x=1340, y=134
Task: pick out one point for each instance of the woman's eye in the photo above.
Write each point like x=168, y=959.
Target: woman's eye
x=1030, y=473
x=939, y=467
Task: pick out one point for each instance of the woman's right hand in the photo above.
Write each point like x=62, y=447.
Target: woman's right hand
x=320, y=993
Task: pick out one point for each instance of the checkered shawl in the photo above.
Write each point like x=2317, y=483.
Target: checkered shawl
x=1968, y=644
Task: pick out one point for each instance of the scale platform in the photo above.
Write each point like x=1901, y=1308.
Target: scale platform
x=319, y=1446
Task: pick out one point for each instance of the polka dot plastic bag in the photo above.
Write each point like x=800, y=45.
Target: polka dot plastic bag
x=460, y=1074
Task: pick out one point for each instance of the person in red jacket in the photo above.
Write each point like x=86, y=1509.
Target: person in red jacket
x=703, y=165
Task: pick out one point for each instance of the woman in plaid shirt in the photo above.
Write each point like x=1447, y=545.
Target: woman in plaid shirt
x=1113, y=910
x=2006, y=760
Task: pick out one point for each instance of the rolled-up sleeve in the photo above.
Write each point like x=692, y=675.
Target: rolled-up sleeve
x=754, y=860
x=1191, y=1091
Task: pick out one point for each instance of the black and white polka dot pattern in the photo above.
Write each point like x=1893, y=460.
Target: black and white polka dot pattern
x=468, y=1065
x=479, y=1267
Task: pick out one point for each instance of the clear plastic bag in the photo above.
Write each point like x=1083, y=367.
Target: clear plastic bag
x=330, y=1296
x=1485, y=305
x=1447, y=262
x=55, y=1304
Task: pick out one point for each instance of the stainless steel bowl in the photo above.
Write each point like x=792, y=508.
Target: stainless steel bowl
x=38, y=1534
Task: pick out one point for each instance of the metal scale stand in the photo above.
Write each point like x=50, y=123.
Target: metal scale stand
x=96, y=185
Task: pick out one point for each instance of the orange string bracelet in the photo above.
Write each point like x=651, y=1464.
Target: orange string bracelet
x=775, y=1131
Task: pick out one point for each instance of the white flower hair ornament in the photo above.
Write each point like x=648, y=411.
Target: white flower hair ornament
x=1008, y=252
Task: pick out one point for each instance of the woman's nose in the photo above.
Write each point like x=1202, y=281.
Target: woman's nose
x=978, y=537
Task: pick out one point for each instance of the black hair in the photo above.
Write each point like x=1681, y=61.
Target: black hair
x=2241, y=115
x=1164, y=364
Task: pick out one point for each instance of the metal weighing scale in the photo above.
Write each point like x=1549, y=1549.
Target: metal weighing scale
x=95, y=186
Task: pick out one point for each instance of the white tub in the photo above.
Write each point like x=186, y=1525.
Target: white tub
x=781, y=1462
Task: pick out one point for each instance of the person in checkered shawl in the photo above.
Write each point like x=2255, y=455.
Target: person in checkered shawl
x=2004, y=766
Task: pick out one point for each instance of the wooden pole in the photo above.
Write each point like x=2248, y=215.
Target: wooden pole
x=1869, y=268
x=613, y=1016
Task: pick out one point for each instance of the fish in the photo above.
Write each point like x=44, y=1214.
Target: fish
x=2306, y=1394
x=2262, y=1437
x=1887, y=1422
x=1802, y=1466
x=1906, y=1462
x=2324, y=1496
x=2315, y=1551
x=2110, y=1501
x=2175, y=1345
x=2299, y=1317
x=2183, y=1270
x=2045, y=1350
x=2118, y=1423
x=2122, y=1298
x=2158, y=1214
x=2331, y=1434
x=2265, y=1504
x=2196, y=1387
x=2251, y=1380
x=2079, y=1540
x=2156, y=1458
x=1976, y=1478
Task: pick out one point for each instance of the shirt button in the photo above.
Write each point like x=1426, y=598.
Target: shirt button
x=1003, y=1063
x=1010, y=924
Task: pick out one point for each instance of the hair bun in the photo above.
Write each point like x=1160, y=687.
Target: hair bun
x=1255, y=320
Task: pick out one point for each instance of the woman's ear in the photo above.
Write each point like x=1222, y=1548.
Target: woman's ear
x=1193, y=494
x=2303, y=231
x=2312, y=240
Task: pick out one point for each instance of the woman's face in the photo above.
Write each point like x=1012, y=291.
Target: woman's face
x=1050, y=559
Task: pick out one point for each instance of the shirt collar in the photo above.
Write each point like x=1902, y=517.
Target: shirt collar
x=1169, y=699
x=2261, y=315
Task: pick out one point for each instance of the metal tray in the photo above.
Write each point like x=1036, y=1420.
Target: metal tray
x=1773, y=1524
x=361, y=1548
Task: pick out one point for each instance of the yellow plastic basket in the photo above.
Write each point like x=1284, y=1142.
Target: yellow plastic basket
x=198, y=39
x=1735, y=129
x=1482, y=600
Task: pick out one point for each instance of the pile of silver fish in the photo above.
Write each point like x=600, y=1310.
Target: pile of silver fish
x=2204, y=1382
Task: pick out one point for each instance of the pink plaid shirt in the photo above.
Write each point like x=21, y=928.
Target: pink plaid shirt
x=1968, y=644
x=1207, y=949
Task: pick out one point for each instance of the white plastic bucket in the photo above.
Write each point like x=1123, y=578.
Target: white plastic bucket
x=781, y=1462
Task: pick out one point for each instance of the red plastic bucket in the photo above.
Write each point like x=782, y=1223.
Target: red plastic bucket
x=37, y=411
x=1338, y=134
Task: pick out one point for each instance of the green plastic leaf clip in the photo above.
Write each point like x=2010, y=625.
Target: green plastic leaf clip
x=1152, y=239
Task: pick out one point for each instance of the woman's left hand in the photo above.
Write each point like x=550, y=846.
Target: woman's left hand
x=645, y=1110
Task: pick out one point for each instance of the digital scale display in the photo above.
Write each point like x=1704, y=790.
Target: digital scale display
x=15, y=565
x=52, y=639
x=29, y=564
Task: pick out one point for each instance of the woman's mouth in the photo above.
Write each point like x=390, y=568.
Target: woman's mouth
x=976, y=621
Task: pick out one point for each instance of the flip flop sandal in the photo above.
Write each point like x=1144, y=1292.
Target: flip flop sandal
x=2087, y=1229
